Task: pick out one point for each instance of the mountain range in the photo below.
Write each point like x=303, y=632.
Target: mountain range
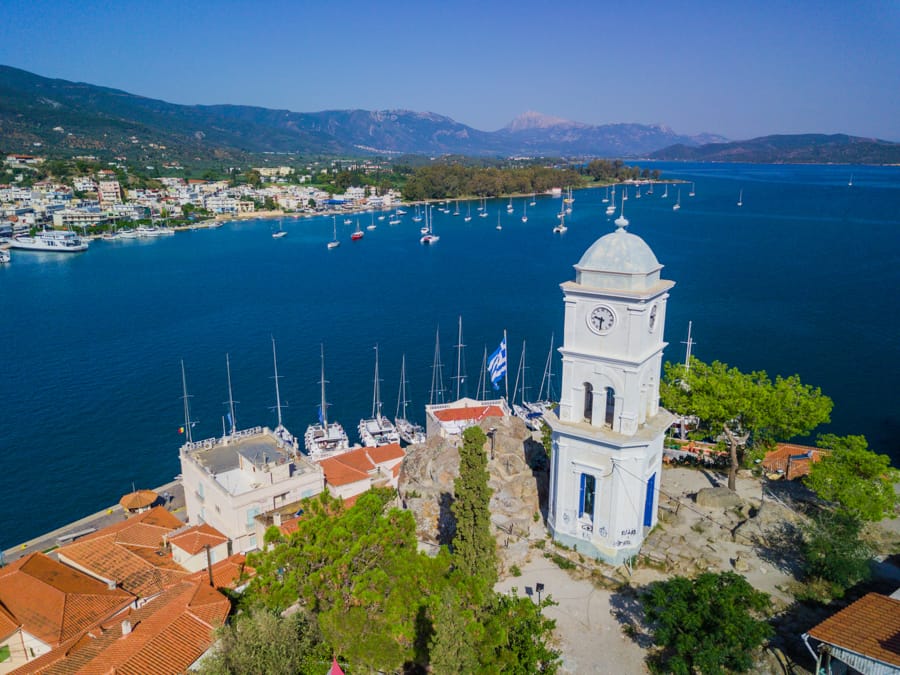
x=73, y=118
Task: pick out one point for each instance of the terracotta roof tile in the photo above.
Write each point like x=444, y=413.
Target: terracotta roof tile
x=54, y=602
x=338, y=473
x=779, y=459
x=227, y=573
x=195, y=539
x=468, y=413
x=870, y=626
x=385, y=453
x=168, y=634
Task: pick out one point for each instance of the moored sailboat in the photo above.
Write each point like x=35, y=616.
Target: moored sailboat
x=377, y=430
x=323, y=438
x=409, y=432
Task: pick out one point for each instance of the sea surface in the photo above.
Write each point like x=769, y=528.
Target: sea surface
x=803, y=278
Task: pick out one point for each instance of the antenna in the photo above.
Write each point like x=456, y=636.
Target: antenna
x=689, y=343
x=187, y=407
x=231, y=400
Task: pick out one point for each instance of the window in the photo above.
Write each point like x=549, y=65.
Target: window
x=610, y=407
x=587, y=496
x=252, y=512
x=588, y=402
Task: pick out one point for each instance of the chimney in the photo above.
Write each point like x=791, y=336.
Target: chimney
x=209, y=566
x=276, y=519
x=126, y=627
x=111, y=584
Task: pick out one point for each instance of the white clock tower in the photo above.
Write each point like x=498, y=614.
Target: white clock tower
x=608, y=435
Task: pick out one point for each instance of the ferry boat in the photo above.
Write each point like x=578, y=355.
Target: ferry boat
x=325, y=439
x=59, y=241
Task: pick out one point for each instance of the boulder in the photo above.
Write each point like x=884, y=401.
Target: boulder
x=718, y=498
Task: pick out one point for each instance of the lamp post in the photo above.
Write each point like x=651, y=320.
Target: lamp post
x=491, y=432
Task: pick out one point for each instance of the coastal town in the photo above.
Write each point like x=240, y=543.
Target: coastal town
x=587, y=497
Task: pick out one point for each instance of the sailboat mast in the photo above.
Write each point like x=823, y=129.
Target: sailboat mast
x=437, y=370
x=277, y=392
x=401, y=394
x=187, y=407
x=480, y=394
x=376, y=391
x=323, y=408
x=230, y=396
x=547, y=379
x=459, y=347
x=688, y=346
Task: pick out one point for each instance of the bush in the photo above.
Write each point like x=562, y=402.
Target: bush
x=515, y=571
x=833, y=551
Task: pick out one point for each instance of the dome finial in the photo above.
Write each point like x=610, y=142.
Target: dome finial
x=622, y=221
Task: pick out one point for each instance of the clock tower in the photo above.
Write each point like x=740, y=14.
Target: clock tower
x=608, y=432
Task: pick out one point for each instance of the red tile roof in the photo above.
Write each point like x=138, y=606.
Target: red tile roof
x=168, y=634
x=468, y=413
x=338, y=473
x=129, y=553
x=385, y=453
x=780, y=459
x=227, y=573
x=358, y=464
x=870, y=626
x=195, y=539
x=53, y=602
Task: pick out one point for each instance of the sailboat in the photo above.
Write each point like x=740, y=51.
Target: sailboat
x=509, y=208
x=524, y=212
x=741, y=198
x=371, y=225
x=677, y=204
x=429, y=237
x=561, y=226
x=437, y=372
x=691, y=193
x=637, y=194
x=499, y=226
x=232, y=419
x=279, y=233
x=408, y=431
x=605, y=199
x=348, y=221
x=460, y=376
x=334, y=243
x=483, y=204
x=378, y=429
x=417, y=218
x=521, y=409
x=665, y=194
x=188, y=422
x=611, y=209
x=323, y=437
x=533, y=198
x=546, y=399
x=456, y=212
x=280, y=431
x=850, y=183
x=358, y=234
x=395, y=219
x=468, y=212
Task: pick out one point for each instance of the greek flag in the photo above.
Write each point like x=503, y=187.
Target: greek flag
x=497, y=363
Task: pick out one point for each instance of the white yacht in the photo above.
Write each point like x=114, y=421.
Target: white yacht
x=60, y=241
x=409, y=432
x=323, y=439
x=377, y=429
x=4, y=256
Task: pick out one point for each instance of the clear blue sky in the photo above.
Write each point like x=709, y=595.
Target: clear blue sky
x=740, y=69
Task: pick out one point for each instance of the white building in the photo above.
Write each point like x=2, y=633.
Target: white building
x=109, y=192
x=229, y=481
x=608, y=437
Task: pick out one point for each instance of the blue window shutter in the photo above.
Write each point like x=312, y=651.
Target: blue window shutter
x=581, y=496
x=648, y=501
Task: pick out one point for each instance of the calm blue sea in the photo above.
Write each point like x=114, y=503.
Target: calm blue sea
x=801, y=279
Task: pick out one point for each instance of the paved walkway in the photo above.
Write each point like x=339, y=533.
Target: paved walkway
x=591, y=639
x=96, y=521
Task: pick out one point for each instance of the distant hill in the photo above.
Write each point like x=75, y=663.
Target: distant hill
x=794, y=149
x=65, y=117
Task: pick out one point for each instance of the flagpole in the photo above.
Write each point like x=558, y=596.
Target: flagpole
x=506, y=374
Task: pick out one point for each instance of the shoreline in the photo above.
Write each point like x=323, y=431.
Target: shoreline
x=49, y=541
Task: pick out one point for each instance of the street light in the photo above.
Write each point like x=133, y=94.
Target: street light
x=491, y=432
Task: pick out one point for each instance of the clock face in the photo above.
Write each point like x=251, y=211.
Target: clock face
x=601, y=319
x=653, y=311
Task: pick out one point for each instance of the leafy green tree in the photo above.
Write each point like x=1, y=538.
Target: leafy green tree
x=743, y=406
x=858, y=479
x=706, y=625
x=474, y=548
x=264, y=643
x=454, y=645
x=833, y=551
x=516, y=637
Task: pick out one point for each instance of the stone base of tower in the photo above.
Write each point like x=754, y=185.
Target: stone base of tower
x=610, y=556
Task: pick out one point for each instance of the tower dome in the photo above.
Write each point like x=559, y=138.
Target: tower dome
x=619, y=260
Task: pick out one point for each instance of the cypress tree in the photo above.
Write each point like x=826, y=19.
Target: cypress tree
x=474, y=553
